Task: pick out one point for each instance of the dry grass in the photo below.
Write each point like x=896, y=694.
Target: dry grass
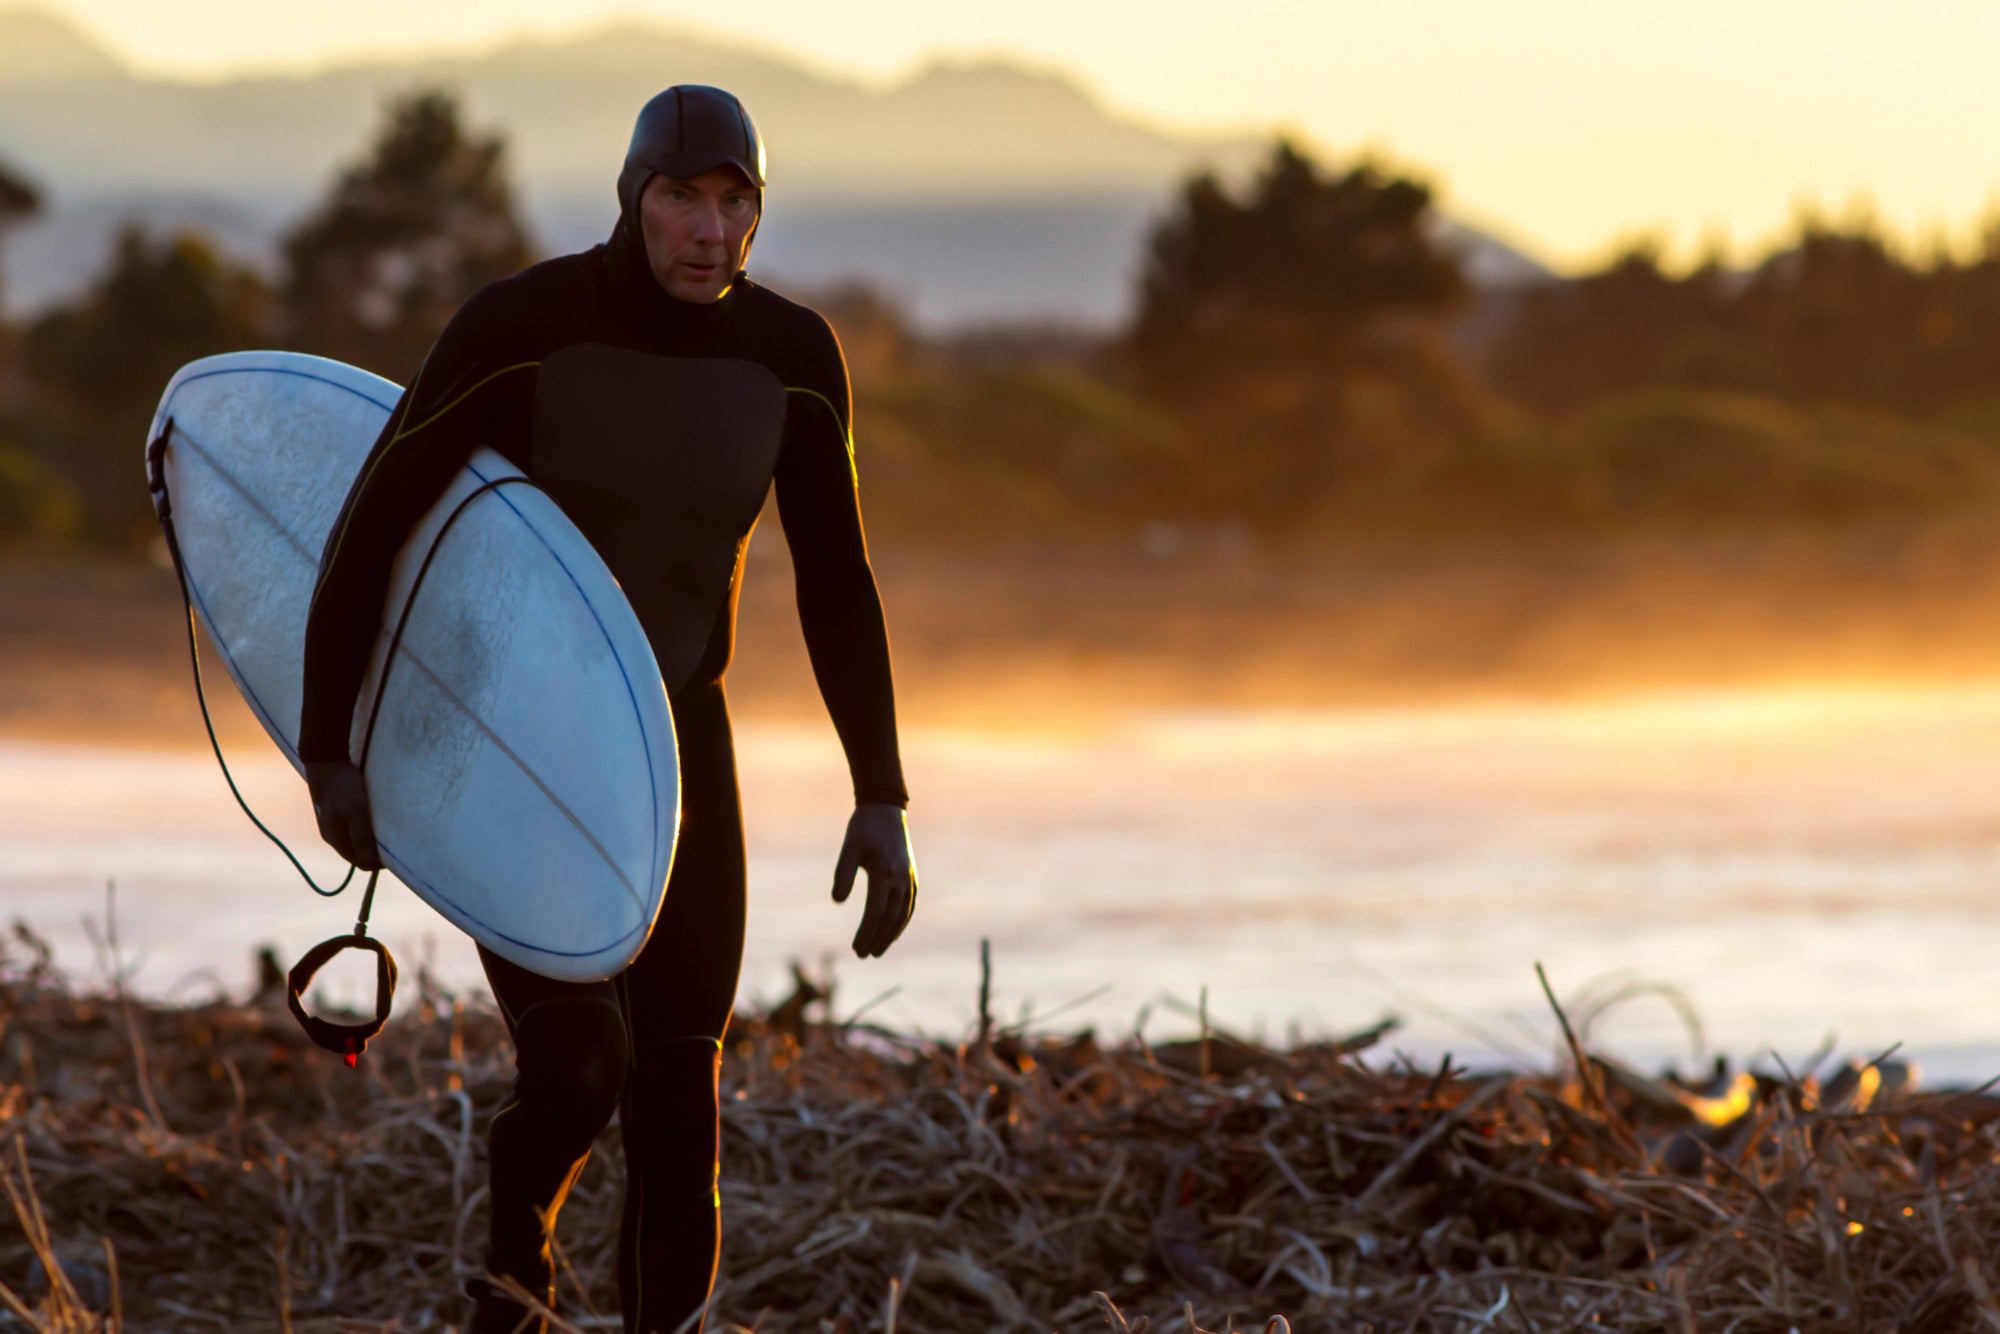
x=202, y=1169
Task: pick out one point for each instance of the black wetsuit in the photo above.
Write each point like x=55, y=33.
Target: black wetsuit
x=555, y=369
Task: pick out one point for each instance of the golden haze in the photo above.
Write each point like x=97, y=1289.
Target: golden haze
x=1564, y=124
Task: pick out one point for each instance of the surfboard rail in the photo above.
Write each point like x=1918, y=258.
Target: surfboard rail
x=523, y=771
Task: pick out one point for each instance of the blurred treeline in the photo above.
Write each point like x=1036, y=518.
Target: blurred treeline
x=1306, y=359
x=369, y=276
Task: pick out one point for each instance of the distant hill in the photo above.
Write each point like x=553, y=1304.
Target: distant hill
x=36, y=46
x=974, y=191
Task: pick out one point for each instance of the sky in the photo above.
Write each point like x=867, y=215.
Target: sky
x=1568, y=126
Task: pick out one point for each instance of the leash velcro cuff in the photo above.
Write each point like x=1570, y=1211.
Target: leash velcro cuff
x=349, y=1040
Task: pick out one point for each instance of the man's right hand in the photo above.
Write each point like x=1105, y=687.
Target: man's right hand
x=340, y=802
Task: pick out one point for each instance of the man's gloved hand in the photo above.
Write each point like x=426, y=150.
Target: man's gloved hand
x=340, y=803
x=878, y=841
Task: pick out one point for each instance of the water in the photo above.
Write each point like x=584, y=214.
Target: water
x=1797, y=864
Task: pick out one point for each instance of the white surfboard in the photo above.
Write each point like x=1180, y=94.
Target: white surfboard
x=522, y=775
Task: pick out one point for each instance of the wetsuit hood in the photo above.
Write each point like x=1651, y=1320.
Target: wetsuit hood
x=682, y=132
x=687, y=130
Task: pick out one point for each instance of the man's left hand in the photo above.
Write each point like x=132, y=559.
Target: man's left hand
x=878, y=841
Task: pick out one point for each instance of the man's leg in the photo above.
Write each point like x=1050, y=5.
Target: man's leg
x=571, y=1056
x=678, y=995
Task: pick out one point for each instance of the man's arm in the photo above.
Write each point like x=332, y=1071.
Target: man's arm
x=460, y=399
x=840, y=609
x=840, y=612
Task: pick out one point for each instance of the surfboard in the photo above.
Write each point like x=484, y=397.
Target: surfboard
x=522, y=772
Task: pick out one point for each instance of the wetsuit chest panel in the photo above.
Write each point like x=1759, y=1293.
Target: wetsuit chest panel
x=663, y=463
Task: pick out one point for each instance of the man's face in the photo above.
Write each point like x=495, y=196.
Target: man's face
x=697, y=231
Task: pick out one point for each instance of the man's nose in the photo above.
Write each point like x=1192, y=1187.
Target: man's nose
x=708, y=224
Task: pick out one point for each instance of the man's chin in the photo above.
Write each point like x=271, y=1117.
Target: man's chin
x=713, y=287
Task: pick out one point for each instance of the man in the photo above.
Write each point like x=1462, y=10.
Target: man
x=656, y=394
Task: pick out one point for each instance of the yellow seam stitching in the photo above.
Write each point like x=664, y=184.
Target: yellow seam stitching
x=846, y=434
x=504, y=370
x=340, y=537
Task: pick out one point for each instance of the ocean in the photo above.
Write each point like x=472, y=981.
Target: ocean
x=1766, y=874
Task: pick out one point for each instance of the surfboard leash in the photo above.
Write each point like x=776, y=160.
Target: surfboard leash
x=348, y=1040
x=156, y=482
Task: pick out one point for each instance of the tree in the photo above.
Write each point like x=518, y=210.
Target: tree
x=18, y=200
x=1844, y=317
x=1295, y=330
x=97, y=367
x=1628, y=324
x=404, y=237
x=1306, y=272
x=36, y=507
x=1836, y=317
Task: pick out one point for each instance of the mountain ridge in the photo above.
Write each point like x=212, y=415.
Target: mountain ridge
x=543, y=93
x=39, y=43
x=972, y=190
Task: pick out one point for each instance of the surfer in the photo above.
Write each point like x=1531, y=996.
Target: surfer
x=553, y=367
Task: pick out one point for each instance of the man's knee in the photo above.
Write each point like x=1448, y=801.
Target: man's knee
x=572, y=1058
x=675, y=1124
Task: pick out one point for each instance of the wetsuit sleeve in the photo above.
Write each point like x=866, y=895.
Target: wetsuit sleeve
x=840, y=610
x=470, y=392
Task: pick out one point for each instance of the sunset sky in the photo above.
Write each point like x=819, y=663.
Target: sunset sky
x=1566, y=125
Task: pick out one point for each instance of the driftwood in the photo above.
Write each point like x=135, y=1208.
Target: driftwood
x=201, y=1168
